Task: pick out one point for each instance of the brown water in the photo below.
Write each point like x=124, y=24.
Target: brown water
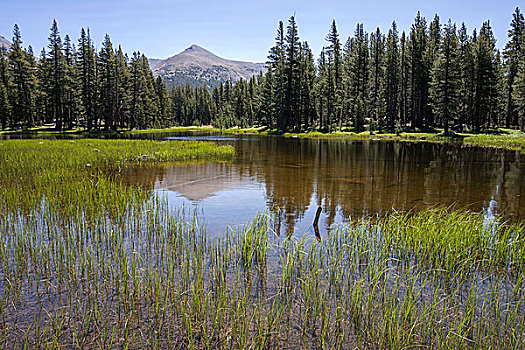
x=348, y=179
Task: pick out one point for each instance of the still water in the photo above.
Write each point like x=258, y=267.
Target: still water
x=349, y=179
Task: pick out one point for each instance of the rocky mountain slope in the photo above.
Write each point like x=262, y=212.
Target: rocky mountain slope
x=198, y=66
x=4, y=42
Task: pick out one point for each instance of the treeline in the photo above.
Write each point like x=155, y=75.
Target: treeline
x=72, y=86
x=435, y=76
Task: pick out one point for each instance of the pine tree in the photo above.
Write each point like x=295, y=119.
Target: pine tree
x=404, y=82
x=377, y=75
x=513, y=54
x=107, y=68
x=485, y=76
x=334, y=97
x=430, y=57
x=122, y=93
x=137, y=92
x=518, y=93
x=357, y=75
x=56, y=78
x=307, y=97
x=5, y=105
x=292, y=74
x=446, y=78
x=164, y=102
x=253, y=99
x=392, y=76
x=276, y=61
x=467, y=75
x=322, y=88
x=72, y=101
x=151, y=100
x=22, y=84
x=419, y=74
x=87, y=68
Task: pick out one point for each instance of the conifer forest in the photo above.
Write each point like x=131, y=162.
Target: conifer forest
x=438, y=74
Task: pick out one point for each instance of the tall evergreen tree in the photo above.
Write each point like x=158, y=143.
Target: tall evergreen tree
x=72, y=101
x=22, y=84
x=357, y=75
x=276, y=61
x=268, y=100
x=485, y=77
x=87, y=68
x=164, y=102
x=292, y=74
x=322, y=88
x=377, y=76
x=430, y=57
x=307, y=98
x=467, y=77
x=446, y=78
x=334, y=97
x=392, y=76
x=518, y=94
x=513, y=55
x=5, y=105
x=57, y=76
x=107, y=68
x=419, y=75
x=122, y=93
x=404, y=81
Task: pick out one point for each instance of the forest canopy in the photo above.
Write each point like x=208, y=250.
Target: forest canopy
x=436, y=75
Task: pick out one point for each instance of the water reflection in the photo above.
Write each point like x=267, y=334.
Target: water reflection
x=348, y=179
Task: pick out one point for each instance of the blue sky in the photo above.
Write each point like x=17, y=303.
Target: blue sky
x=233, y=29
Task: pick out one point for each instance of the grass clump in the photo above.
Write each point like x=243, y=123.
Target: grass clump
x=83, y=174
x=502, y=138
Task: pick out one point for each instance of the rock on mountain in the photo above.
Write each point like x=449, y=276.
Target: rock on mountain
x=4, y=42
x=198, y=66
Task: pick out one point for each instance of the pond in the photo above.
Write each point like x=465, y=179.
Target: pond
x=349, y=179
x=143, y=274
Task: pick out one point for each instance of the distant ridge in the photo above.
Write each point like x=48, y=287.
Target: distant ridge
x=198, y=66
x=4, y=42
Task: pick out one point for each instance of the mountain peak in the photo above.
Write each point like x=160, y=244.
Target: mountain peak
x=198, y=66
x=195, y=47
x=196, y=50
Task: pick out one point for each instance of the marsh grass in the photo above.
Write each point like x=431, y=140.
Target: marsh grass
x=502, y=138
x=110, y=266
x=155, y=280
x=82, y=175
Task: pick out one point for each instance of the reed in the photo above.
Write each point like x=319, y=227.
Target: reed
x=123, y=270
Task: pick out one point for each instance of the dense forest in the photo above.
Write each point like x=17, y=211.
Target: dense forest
x=434, y=76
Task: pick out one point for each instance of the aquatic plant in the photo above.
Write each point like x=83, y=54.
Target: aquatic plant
x=118, y=268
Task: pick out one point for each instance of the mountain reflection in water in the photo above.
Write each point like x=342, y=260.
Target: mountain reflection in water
x=348, y=179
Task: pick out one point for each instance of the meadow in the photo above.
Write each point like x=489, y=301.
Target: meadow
x=87, y=262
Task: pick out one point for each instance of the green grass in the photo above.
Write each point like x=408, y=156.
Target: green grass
x=89, y=262
x=174, y=129
x=155, y=280
x=75, y=174
x=503, y=138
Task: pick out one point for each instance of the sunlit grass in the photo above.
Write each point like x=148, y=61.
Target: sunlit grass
x=88, y=262
x=507, y=138
x=155, y=279
x=83, y=174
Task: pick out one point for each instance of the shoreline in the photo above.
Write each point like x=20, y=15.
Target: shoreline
x=509, y=139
